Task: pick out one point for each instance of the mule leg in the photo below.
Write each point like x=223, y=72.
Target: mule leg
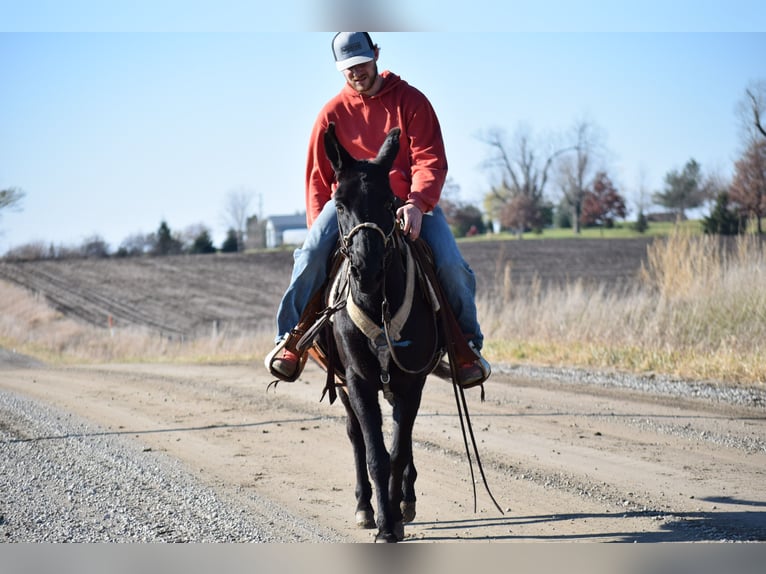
x=402, y=467
x=364, y=516
x=364, y=402
x=408, y=492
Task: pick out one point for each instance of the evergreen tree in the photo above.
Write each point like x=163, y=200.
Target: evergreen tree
x=231, y=243
x=202, y=243
x=642, y=223
x=165, y=243
x=724, y=220
x=684, y=190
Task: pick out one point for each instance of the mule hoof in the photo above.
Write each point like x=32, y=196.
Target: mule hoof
x=396, y=536
x=399, y=531
x=365, y=519
x=408, y=510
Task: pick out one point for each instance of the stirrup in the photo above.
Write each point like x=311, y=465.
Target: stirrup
x=288, y=341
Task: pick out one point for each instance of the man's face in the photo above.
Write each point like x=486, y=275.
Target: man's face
x=362, y=76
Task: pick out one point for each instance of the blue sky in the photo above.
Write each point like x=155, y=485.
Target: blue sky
x=124, y=121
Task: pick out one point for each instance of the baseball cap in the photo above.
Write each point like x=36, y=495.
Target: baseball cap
x=352, y=48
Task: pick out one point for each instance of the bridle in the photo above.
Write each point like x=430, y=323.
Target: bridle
x=383, y=340
x=345, y=240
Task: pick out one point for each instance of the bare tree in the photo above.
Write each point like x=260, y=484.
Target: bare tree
x=748, y=188
x=31, y=251
x=94, y=247
x=577, y=170
x=236, y=213
x=755, y=105
x=135, y=245
x=11, y=197
x=522, y=172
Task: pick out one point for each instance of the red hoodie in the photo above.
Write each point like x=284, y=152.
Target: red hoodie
x=361, y=124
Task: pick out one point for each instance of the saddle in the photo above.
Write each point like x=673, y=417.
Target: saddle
x=305, y=340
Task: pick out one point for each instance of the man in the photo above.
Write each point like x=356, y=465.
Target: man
x=367, y=107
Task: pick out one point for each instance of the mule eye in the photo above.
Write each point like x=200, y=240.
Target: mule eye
x=338, y=208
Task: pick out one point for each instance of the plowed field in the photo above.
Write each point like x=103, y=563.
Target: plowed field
x=184, y=295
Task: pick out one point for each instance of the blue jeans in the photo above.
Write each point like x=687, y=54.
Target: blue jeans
x=310, y=271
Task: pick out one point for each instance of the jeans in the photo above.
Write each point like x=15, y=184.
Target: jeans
x=310, y=271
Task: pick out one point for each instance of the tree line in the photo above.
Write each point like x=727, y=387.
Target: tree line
x=563, y=181
x=194, y=239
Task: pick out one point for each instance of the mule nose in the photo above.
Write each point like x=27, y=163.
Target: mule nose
x=368, y=278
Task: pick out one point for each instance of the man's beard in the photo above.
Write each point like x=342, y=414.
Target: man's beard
x=369, y=82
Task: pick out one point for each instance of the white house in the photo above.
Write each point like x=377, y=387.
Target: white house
x=286, y=230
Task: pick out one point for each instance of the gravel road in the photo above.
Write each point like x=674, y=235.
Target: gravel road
x=65, y=480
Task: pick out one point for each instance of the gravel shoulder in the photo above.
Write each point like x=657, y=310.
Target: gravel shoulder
x=67, y=480
x=158, y=452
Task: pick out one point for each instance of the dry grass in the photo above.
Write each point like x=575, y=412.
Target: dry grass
x=699, y=311
x=30, y=326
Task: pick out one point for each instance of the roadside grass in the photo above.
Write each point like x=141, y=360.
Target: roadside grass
x=698, y=312
x=28, y=325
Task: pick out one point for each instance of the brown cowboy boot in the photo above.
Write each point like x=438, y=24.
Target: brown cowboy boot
x=286, y=360
x=473, y=371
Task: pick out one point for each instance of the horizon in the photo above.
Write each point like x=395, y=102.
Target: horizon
x=109, y=134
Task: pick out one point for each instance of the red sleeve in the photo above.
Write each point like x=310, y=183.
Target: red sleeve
x=427, y=155
x=319, y=173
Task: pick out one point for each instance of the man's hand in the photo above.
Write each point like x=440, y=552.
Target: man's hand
x=410, y=218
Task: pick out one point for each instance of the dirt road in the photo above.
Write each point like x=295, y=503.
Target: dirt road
x=566, y=460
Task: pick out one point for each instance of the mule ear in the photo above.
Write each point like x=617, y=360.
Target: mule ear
x=389, y=149
x=336, y=153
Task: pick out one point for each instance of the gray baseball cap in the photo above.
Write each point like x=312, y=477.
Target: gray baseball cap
x=352, y=48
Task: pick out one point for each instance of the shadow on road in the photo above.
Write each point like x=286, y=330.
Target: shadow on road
x=676, y=527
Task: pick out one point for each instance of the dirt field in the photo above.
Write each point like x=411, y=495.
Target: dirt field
x=567, y=459
x=184, y=295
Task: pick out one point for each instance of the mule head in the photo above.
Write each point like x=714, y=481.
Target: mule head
x=365, y=206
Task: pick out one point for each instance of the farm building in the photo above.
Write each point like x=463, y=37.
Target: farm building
x=286, y=230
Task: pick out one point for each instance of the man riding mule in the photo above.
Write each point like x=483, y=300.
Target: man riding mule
x=368, y=107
